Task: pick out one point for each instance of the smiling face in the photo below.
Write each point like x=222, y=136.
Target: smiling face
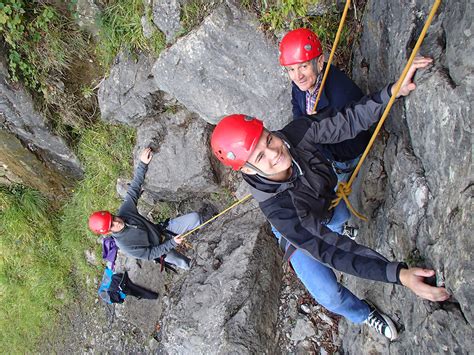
x=305, y=74
x=271, y=156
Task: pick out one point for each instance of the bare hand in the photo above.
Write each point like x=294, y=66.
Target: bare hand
x=178, y=239
x=413, y=279
x=407, y=84
x=146, y=155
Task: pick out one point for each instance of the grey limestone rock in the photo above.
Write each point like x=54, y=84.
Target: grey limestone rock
x=226, y=66
x=303, y=329
x=144, y=314
x=423, y=213
x=129, y=94
x=166, y=16
x=181, y=166
x=87, y=16
x=228, y=303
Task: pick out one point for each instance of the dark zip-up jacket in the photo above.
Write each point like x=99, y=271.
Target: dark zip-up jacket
x=299, y=208
x=338, y=92
x=140, y=238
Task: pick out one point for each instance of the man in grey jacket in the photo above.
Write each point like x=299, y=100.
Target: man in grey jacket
x=137, y=236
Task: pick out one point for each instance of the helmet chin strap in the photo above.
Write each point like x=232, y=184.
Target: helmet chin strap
x=257, y=170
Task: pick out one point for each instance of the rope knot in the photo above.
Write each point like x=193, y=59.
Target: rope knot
x=343, y=190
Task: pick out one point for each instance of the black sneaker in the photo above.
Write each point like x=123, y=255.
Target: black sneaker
x=350, y=232
x=381, y=323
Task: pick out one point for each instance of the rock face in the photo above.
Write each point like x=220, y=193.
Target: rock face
x=87, y=16
x=28, y=148
x=421, y=212
x=166, y=17
x=128, y=95
x=228, y=303
x=226, y=66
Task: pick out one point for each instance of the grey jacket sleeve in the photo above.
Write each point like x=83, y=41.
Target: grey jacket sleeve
x=351, y=120
x=152, y=252
x=134, y=189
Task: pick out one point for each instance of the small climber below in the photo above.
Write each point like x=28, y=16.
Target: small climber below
x=137, y=236
x=293, y=181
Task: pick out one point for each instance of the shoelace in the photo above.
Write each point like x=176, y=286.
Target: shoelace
x=376, y=323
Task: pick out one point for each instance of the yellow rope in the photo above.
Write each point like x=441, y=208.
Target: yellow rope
x=333, y=50
x=217, y=215
x=343, y=189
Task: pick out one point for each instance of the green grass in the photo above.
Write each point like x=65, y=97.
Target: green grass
x=60, y=63
x=42, y=259
x=121, y=29
x=42, y=43
x=42, y=251
x=43, y=46
x=283, y=14
x=34, y=270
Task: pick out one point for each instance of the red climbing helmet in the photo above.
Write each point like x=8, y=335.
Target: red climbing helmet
x=299, y=46
x=235, y=138
x=100, y=222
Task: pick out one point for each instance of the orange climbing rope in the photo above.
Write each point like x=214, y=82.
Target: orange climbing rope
x=344, y=188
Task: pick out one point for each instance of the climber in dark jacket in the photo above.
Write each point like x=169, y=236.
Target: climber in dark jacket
x=294, y=184
x=302, y=56
x=137, y=236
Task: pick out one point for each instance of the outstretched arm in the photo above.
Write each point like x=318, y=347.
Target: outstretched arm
x=335, y=127
x=134, y=189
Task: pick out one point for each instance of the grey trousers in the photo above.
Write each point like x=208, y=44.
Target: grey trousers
x=180, y=225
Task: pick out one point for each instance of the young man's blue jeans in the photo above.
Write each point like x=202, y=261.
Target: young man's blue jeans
x=344, y=169
x=321, y=281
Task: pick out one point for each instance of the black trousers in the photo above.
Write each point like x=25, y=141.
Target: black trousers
x=131, y=289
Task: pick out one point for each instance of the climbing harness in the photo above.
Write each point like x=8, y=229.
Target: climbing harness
x=344, y=188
